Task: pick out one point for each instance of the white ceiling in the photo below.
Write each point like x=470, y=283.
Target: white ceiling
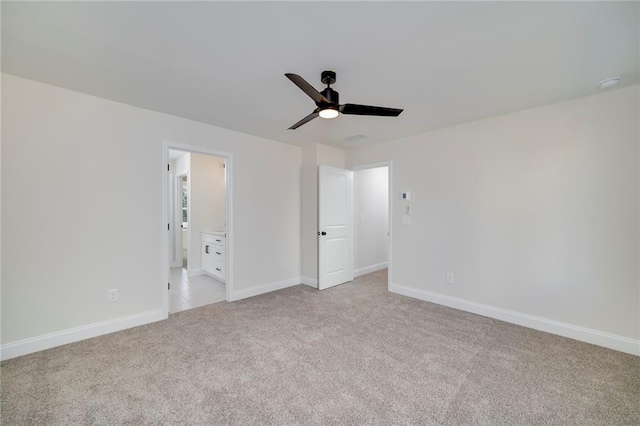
x=224, y=63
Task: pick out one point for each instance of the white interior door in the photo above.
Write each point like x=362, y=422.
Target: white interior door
x=335, y=233
x=176, y=223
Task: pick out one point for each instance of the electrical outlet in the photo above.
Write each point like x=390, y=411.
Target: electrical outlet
x=449, y=278
x=112, y=295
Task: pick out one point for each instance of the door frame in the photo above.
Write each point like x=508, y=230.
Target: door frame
x=166, y=247
x=389, y=164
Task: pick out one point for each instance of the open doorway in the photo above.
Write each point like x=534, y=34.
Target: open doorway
x=197, y=225
x=354, y=223
x=371, y=218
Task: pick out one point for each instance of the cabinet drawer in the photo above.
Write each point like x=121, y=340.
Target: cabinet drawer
x=218, y=253
x=213, y=239
x=218, y=270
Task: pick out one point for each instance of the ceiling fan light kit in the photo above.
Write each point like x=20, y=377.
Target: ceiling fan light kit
x=329, y=113
x=327, y=101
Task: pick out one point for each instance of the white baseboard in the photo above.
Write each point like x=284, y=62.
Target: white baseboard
x=51, y=340
x=265, y=288
x=195, y=272
x=311, y=282
x=595, y=337
x=370, y=269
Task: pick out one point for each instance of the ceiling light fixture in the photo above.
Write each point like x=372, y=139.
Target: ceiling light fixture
x=609, y=82
x=328, y=113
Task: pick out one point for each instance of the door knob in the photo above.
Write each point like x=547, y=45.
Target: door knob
x=322, y=233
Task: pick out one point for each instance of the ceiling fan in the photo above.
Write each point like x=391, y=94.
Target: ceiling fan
x=327, y=101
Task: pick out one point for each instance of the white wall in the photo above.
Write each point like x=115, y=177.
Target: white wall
x=371, y=219
x=330, y=156
x=72, y=233
x=309, y=220
x=314, y=155
x=206, y=202
x=182, y=164
x=535, y=212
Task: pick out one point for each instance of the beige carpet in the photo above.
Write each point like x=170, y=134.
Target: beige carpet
x=354, y=354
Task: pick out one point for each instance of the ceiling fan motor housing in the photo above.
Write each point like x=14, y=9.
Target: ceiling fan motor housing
x=330, y=94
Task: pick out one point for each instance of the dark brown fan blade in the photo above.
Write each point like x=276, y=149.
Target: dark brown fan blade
x=305, y=120
x=307, y=88
x=355, y=109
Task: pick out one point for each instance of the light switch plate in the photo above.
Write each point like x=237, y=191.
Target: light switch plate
x=405, y=219
x=112, y=295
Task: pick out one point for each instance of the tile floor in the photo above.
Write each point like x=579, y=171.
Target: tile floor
x=192, y=292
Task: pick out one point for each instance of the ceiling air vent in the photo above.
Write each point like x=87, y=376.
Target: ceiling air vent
x=355, y=138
